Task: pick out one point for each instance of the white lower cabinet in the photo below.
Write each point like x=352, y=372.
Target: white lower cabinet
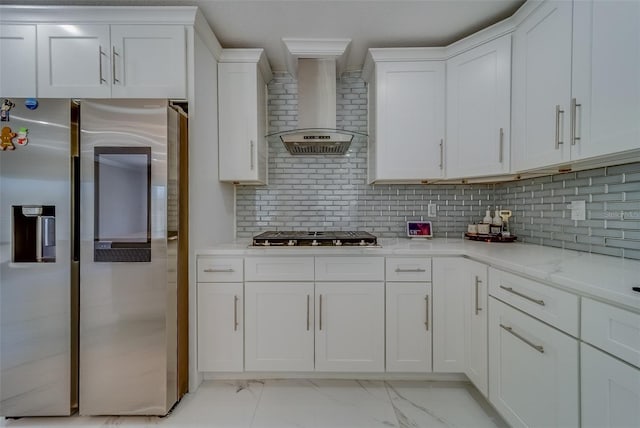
x=220, y=327
x=279, y=326
x=449, y=281
x=350, y=326
x=408, y=327
x=533, y=370
x=475, y=325
x=610, y=390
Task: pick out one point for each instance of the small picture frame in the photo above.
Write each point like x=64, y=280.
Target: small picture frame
x=419, y=229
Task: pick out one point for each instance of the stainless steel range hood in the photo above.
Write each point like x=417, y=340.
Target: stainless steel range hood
x=317, y=133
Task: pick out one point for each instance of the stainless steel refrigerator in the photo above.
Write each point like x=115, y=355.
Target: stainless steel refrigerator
x=93, y=259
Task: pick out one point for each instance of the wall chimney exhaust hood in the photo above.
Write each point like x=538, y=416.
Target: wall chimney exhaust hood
x=314, y=63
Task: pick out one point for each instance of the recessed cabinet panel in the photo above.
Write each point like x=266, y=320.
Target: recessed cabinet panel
x=279, y=326
x=148, y=61
x=242, y=111
x=18, y=60
x=479, y=110
x=605, y=84
x=449, y=293
x=349, y=268
x=350, y=327
x=551, y=305
x=74, y=60
x=220, y=327
x=407, y=122
x=533, y=370
x=610, y=391
x=611, y=329
x=542, y=87
x=408, y=326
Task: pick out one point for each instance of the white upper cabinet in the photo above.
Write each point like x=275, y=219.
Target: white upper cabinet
x=542, y=87
x=243, y=75
x=576, y=92
x=17, y=60
x=74, y=61
x=406, y=119
x=479, y=110
x=606, y=83
x=117, y=61
x=148, y=61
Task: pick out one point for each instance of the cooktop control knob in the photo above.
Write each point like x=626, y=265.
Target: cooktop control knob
x=291, y=243
x=337, y=242
x=315, y=243
x=362, y=242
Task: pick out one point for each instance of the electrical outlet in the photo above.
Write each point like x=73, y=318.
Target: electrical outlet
x=431, y=210
x=578, y=210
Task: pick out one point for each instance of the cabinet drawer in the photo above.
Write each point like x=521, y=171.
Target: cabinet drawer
x=409, y=269
x=278, y=269
x=614, y=330
x=349, y=268
x=219, y=269
x=553, y=306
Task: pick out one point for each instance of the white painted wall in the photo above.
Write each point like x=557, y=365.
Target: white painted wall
x=211, y=203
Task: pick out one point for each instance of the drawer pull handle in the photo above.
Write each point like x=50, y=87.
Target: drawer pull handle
x=478, y=282
x=418, y=270
x=235, y=313
x=308, y=322
x=426, y=318
x=538, y=348
x=219, y=270
x=320, y=316
x=114, y=54
x=524, y=296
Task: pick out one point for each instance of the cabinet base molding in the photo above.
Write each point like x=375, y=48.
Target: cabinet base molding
x=440, y=377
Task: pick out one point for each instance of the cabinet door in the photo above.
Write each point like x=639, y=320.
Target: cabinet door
x=533, y=370
x=73, y=61
x=409, y=120
x=279, y=326
x=408, y=327
x=476, y=328
x=606, y=66
x=350, y=327
x=238, y=118
x=449, y=290
x=17, y=60
x=610, y=391
x=542, y=87
x=479, y=110
x=220, y=327
x=149, y=61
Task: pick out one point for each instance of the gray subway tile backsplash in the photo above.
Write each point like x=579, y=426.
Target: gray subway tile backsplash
x=331, y=193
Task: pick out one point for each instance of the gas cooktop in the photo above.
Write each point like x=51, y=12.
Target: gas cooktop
x=328, y=239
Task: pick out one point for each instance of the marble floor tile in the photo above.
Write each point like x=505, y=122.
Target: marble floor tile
x=324, y=404
x=304, y=403
x=440, y=404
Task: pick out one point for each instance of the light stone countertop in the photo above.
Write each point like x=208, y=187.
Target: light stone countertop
x=604, y=278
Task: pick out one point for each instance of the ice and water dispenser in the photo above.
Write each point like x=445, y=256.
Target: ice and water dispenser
x=34, y=233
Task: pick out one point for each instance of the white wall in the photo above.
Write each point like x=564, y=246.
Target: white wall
x=211, y=203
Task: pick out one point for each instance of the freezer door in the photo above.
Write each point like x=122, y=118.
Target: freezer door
x=35, y=264
x=125, y=305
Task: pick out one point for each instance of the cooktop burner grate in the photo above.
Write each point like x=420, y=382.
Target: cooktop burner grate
x=312, y=238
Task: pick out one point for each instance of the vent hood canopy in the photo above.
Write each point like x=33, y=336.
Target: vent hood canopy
x=317, y=141
x=314, y=62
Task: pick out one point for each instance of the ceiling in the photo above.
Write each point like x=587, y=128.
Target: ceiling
x=368, y=23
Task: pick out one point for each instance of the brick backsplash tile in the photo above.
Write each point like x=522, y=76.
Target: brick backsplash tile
x=331, y=193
